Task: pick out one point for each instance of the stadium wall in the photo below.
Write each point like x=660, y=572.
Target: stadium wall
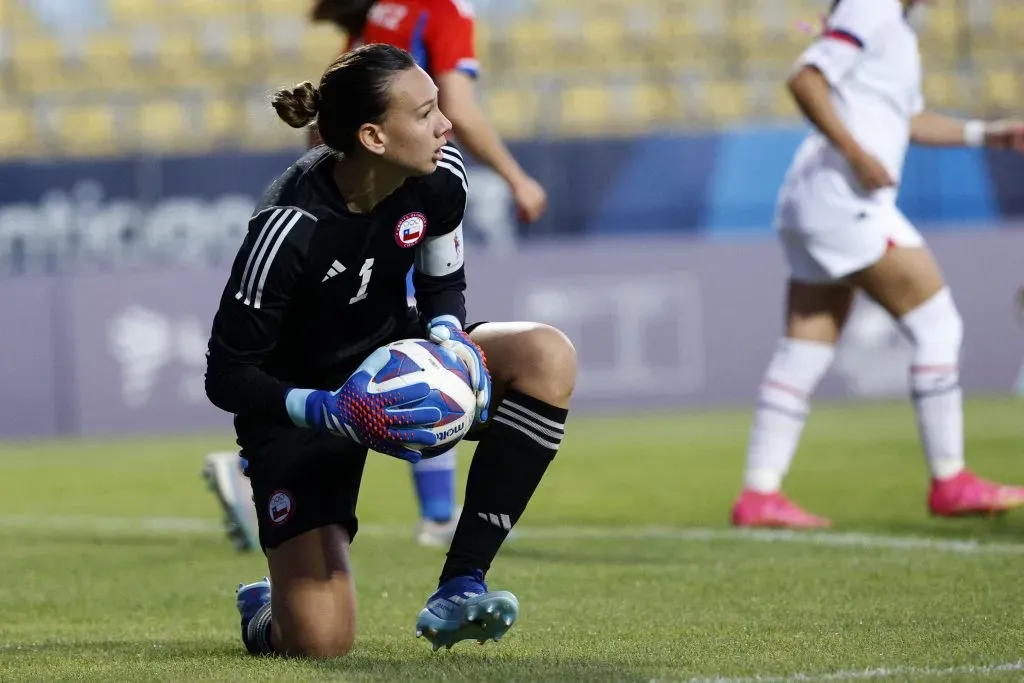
x=661, y=323
x=191, y=211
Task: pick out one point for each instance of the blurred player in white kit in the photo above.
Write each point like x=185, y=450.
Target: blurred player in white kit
x=860, y=85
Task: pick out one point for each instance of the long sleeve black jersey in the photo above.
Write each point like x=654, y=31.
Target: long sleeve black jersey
x=314, y=285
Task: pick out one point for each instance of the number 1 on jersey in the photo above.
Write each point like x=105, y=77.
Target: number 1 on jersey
x=366, y=272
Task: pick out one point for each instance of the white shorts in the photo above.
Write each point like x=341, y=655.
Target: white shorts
x=829, y=234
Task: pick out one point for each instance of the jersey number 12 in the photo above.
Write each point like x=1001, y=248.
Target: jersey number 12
x=366, y=272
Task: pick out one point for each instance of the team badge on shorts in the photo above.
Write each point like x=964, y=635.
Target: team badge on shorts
x=281, y=507
x=410, y=230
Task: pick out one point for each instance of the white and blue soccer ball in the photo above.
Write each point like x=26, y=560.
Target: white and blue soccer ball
x=418, y=360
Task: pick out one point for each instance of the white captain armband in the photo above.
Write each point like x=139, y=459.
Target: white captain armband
x=441, y=255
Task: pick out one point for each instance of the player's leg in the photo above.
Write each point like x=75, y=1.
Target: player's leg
x=305, y=488
x=533, y=372
x=908, y=283
x=225, y=475
x=433, y=478
x=434, y=481
x=815, y=315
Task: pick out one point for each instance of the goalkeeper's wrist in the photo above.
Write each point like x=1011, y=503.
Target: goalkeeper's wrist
x=301, y=406
x=443, y=319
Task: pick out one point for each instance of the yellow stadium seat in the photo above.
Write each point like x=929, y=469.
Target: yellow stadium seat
x=514, y=111
x=603, y=33
x=135, y=11
x=161, y=123
x=660, y=62
x=16, y=17
x=320, y=46
x=652, y=104
x=17, y=131
x=944, y=91
x=728, y=101
x=221, y=118
x=1003, y=89
x=108, y=64
x=678, y=27
x=176, y=49
x=532, y=48
x=232, y=9
x=584, y=109
x=779, y=103
x=37, y=64
x=747, y=27
x=86, y=129
x=289, y=7
x=942, y=24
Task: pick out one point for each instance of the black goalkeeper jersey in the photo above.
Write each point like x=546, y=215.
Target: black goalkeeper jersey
x=315, y=286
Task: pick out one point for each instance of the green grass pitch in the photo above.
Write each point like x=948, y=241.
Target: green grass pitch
x=112, y=567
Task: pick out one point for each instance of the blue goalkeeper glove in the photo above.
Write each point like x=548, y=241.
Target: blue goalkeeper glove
x=389, y=422
x=447, y=331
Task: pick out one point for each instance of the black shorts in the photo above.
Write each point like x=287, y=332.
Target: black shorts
x=302, y=479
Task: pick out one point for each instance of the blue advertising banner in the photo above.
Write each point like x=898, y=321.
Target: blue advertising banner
x=191, y=211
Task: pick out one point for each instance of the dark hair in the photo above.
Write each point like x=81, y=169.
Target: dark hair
x=353, y=90
x=348, y=15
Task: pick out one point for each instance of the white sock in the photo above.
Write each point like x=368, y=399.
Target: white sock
x=792, y=376
x=936, y=331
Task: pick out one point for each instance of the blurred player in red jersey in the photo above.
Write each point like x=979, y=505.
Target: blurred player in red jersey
x=439, y=35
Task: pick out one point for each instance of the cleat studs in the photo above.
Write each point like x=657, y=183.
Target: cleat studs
x=471, y=615
x=448, y=646
x=508, y=621
x=435, y=647
x=490, y=609
x=419, y=634
x=431, y=632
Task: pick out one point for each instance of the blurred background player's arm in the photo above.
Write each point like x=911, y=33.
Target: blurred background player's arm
x=849, y=29
x=450, y=44
x=936, y=130
x=811, y=91
x=458, y=102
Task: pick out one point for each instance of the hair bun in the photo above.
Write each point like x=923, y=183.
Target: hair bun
x=297, y=106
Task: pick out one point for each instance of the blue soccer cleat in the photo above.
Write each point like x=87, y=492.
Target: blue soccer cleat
x=250, y=598
x=463, y=609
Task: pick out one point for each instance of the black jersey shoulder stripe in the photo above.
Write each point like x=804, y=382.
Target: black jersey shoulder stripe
x=261, y=258
x=454, y=166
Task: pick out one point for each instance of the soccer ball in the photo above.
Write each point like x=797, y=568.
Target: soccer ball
x=417, y=360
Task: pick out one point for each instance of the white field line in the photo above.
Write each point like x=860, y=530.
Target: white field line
x=188, y=525
x=901, y=672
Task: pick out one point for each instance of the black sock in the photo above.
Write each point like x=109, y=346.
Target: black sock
x=521, y=440
x=257, y=633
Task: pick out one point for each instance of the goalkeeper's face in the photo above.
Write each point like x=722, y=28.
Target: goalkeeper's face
x=413, y=129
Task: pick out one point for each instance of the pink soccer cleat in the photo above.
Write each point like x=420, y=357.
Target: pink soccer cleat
x=967, y=494
x=753, y=509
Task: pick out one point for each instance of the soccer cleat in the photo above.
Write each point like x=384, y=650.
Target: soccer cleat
x=966, y=494
x=223, y=474
x=463, y=609
x=250, y=598
x=753, y=509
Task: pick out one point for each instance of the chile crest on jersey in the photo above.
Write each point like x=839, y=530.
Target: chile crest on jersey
x=411, y=229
